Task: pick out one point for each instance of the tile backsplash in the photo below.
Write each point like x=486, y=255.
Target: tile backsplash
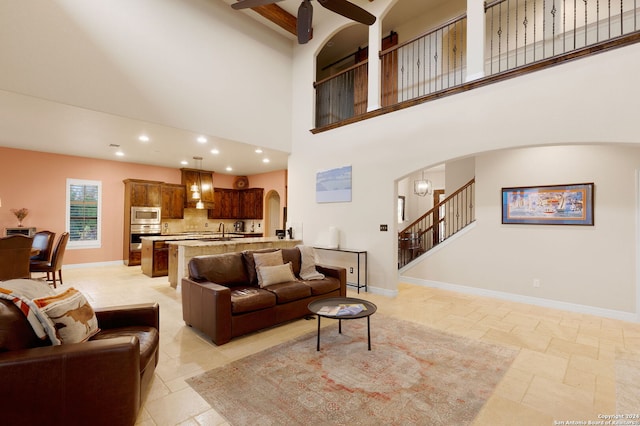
x=195, y=220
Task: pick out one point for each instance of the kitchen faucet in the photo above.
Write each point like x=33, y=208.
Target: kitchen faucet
x=221, y=227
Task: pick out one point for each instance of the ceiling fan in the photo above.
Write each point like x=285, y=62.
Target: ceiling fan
x=305, y=13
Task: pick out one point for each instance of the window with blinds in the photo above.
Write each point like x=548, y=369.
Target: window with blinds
x=83, y=213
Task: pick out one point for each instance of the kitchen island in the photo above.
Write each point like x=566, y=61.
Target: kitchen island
x=180, y=252
x=155, y=250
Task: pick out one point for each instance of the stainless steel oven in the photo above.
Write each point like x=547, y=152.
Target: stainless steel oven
x=145, y=216
x=139, y=231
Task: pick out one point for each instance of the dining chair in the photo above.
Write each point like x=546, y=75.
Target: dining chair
x=55, y=264
x=15, y=251
x=43, y=242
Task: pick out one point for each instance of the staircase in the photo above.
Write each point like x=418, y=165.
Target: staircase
x=441, y=222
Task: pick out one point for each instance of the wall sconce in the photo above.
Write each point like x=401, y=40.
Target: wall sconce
x=422, y=187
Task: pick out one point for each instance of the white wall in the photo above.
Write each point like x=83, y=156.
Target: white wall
x=584, y=265
x=459, y=173
x=591, y=100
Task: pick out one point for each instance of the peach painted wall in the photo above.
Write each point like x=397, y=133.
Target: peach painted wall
x=37, y=181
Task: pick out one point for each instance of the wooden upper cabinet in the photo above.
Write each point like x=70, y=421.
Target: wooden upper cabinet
x=237, y=204
x=173, y=200
x=204, y=181
x=251, y=203
x=226, y=204
x=143, y=193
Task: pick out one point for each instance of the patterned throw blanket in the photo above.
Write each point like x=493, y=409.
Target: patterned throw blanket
x=22, y=293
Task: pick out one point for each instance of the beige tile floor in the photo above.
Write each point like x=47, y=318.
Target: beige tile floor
x=565, y=369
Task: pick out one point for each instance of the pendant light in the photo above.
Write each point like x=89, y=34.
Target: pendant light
x=422, y=187
x=195, y=188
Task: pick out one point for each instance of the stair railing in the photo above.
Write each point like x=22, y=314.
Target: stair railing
x=441, y=222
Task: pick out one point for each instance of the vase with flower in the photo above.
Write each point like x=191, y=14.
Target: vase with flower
x=20, y=214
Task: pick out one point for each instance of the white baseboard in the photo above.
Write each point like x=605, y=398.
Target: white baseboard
x=383, y=291
x=546, y=303
x=94, y=264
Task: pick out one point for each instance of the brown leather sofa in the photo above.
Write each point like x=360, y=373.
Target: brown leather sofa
x=99, y=382
x=222, y=298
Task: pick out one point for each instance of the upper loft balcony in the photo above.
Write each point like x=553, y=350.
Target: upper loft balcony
x=447, y=49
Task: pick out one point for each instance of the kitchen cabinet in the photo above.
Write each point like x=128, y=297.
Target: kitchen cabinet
x=226, y=204
x=155, y=258
x=237, y=204
x=204, y=181
x=143, y=193
x=251, y=203
x=173, y=201
x=137, y=193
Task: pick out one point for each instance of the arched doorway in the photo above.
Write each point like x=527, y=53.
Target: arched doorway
x=272, y=214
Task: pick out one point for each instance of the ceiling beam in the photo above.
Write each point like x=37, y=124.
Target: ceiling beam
x=278, y=16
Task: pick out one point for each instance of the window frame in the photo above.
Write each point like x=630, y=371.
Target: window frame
x=84, y=244
x=401, y=209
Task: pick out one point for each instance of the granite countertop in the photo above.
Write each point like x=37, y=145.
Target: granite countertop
x=189, y=236
x=241, y=240
x=197, y=236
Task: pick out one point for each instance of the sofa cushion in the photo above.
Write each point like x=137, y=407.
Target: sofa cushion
x=269, y=275
x=261, y=260
x=251, y=299
x=71, y=315
x=292, y=255
x=147, y=336
x=226, y=269
x=289, y=291
x=250, y=263
x=323, y=286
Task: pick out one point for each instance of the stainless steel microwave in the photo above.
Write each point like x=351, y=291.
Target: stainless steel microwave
x=145, y=216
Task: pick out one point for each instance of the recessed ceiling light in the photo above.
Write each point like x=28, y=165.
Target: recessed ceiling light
x=120, y=153
x=214, y=151
x=258, y=150
x=202, y=139
x=229, y=168
x=143, y=138
x=184, y=162
x=265, y=160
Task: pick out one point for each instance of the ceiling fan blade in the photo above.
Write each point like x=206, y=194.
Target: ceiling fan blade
x=248, y=4
x=349, y=10
x=303, y=25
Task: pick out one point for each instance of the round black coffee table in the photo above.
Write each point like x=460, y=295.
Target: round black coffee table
x=327, y=308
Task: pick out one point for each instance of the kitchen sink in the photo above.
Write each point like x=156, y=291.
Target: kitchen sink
x=216, y=239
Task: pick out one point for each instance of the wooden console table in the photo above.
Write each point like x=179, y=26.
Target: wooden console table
x=359, y=254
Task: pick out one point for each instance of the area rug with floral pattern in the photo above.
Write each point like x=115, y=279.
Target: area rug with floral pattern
x=413, y=375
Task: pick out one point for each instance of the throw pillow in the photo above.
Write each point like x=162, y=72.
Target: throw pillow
x=269, y=275
x=273, y=258
x=71, y=314
x=308, y=269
